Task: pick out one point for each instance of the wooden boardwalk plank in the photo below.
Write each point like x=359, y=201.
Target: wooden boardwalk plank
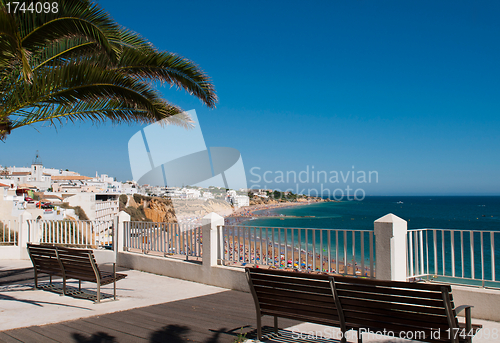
x=92, y=331
x=130, y=329
x=4, y=338
x=28, y=335
x=212, y=318
x=58, y=332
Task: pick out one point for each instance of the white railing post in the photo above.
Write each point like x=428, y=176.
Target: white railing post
x=119, y=237
x=24, y=235
x=391, y=255
x=210, y=244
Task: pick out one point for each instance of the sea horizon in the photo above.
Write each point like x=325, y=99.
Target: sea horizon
x=440, y=211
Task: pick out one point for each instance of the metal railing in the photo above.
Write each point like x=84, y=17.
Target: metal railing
x=9, y=233
x=165, y=238
x=81, y=233
x=458, y=255
x=347, y=252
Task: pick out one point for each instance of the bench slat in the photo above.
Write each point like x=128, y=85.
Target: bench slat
x=295, y=310
x=392, y=284
x=398, y=314
x=286, y=302
x=391, y=299
x=294, y=295
x=322, y=321
x=374, y=306
x=399, y=317
x=293, y=287
x=389, y=290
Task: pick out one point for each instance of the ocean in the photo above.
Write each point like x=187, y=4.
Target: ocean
x=476, y=213
x=443, y=212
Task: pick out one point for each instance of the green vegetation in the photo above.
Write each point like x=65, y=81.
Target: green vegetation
x=242, y=337
x=78, y=210
x=4, y=236
x=80, y=213
x=123, y=199
x=137, y=214
x=77, y=63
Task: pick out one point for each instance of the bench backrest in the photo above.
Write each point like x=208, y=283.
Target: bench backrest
x=396, y=306
x=44, y=259
x=305, y=297
x=78, y=264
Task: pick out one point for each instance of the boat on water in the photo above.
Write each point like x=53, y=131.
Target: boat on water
x=399, y=202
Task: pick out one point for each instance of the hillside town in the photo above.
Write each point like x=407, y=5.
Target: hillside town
x=56, y=194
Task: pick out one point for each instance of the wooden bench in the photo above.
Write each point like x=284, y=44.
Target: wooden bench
x=300, y=296
x=76, y=264
x=424, y=311
x=44, y=259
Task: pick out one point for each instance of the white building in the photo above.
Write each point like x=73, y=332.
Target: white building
x=100, y=208
x=236, y=199
x=130, y=188
x=34, y=176
x=189, y=193
x=97, y=206
x=207, y=195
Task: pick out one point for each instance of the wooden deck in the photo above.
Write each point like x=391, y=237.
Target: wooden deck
x=212, y=318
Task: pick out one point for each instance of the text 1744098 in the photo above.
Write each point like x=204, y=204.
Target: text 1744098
x=32, y=7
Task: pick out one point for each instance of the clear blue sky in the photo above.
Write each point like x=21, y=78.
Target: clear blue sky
x=410, y=89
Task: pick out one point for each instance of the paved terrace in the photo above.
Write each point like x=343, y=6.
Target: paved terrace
x=151, y=308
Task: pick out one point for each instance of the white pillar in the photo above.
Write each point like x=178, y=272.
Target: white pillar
x=119, y=238
x=390, y=238
x=210, y=244
x=24, y=235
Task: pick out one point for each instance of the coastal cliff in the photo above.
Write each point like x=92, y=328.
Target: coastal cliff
x=156, y=209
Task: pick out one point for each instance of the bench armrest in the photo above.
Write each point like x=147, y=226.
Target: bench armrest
x=468, y=316
x=462, y=307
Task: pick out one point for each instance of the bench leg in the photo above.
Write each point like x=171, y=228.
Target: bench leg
x=98, y=292
x=64, y=285
x=259, y=327
x=114, y=281
x=468, y=324
x=275, y=325
x=36, y=278
x=79, y=285
x=344, y=337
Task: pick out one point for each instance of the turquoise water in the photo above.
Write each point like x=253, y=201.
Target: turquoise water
x=457, y=213
x=467, y=213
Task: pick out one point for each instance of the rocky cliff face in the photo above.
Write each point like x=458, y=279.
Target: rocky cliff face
x=158, y=210
x=163, y=210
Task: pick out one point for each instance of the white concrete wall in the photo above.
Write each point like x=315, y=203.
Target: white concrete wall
x=10, y=253
x=86, y=201
x=486, y=302
x=221, y=276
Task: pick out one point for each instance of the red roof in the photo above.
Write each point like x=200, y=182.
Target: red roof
x=2, y=185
